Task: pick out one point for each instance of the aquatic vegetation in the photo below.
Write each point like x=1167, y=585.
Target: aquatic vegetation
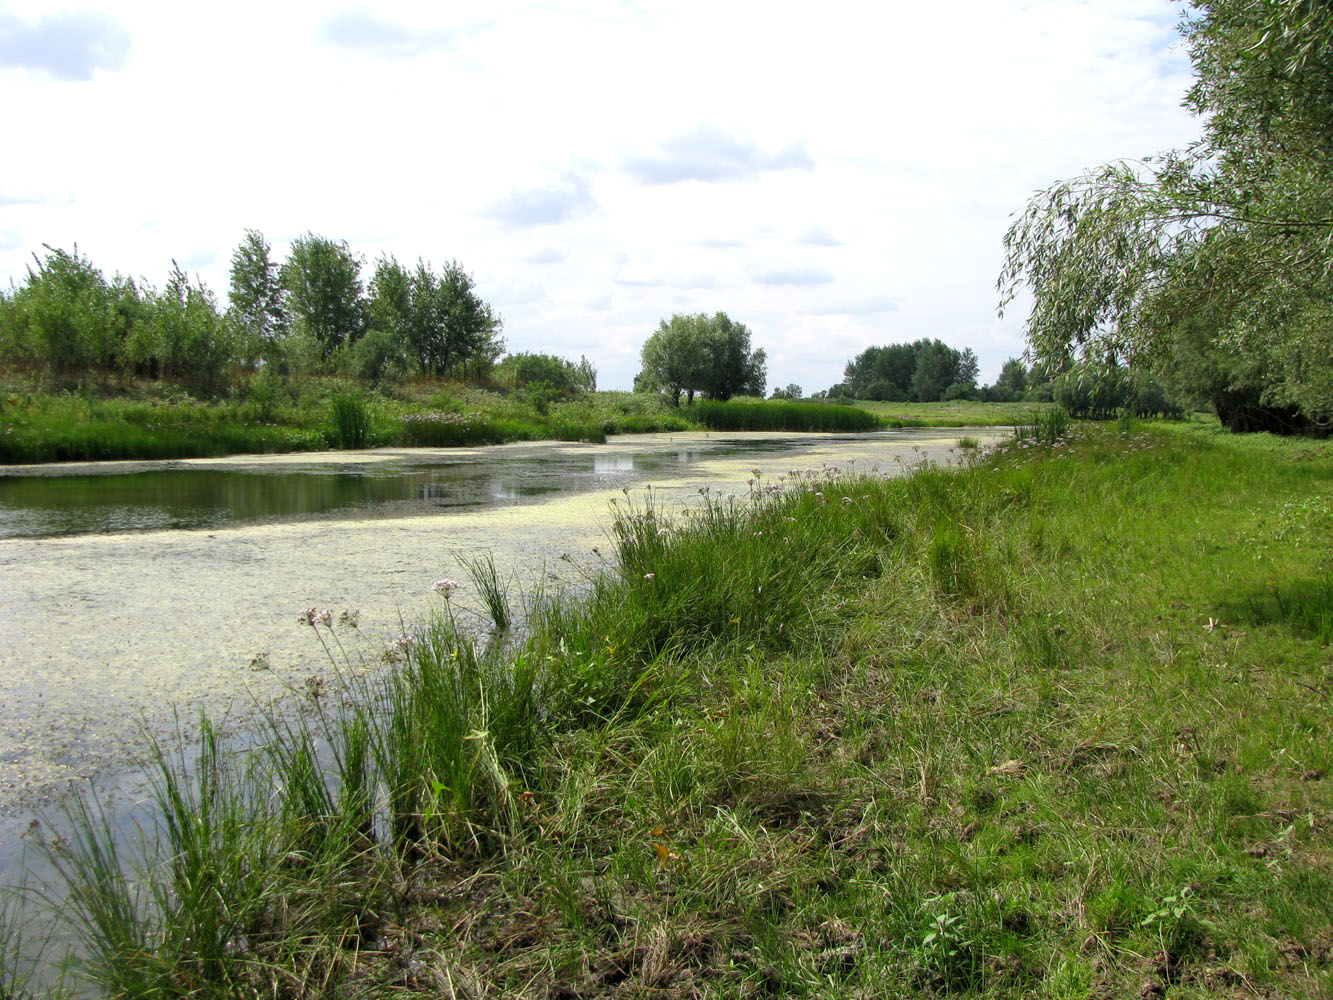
x=782, y=415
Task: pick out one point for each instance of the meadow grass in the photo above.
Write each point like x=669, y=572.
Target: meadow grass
x=1052, y=725
x=955, y=413
x=780, y=415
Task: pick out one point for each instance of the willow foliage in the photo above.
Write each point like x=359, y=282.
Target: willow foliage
x=1214, y=264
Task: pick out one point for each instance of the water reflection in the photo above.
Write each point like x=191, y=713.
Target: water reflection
x=181, y=496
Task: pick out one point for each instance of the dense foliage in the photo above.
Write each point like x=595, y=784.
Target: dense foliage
x=925, y=371
x=705, y=354
x=1210, y=265
x=311, y=314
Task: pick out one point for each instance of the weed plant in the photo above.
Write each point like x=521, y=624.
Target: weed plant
x=1032, y=727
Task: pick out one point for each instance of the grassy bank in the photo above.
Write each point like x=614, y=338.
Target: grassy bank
x=1053, y=725
x=265, y=415
x=956, y=413
x=272, y=415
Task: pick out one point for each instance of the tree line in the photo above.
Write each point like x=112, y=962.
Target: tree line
x=313, y=312
x=924, y=371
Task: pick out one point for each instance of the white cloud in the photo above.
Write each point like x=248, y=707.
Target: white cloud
x=791, y=274
x=363, y=30
x=546, y=255
x=856, y=307
x=712, y=155
x=545, y=205
x=70, y=45
x=818, y=236
x=817, y=172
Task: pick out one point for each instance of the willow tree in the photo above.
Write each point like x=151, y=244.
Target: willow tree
x=1211, y=265
x=692, y=353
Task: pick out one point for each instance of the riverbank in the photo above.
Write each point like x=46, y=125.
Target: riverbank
x=194, y=570
x=1050, y=725
x=268, y=415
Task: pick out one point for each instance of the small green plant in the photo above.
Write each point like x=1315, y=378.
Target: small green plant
x=968, y=443
x=1177, y=924
x=946, y=955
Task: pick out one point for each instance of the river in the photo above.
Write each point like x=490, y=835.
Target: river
x=134, y=594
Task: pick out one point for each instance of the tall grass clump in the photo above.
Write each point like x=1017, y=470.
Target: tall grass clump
x=492, y=591
x=782, y=416
x=447, y=430
x=351, y=422
x=1047, y=427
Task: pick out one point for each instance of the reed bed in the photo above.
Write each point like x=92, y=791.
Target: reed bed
x=782, y=416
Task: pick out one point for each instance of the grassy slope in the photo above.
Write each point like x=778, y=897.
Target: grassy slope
x=1052, y=726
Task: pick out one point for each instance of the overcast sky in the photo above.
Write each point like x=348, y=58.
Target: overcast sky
x=833, y=176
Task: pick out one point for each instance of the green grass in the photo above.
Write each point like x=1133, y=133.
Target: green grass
x=1050, y=725
x=957, y=413
x=740, y=415
x=265, y=414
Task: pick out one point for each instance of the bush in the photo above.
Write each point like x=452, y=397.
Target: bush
x=885, y=392
x=1091, y=390
x=564, y=378
x=959, y=391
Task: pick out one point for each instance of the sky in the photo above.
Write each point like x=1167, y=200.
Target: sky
x=834, y=177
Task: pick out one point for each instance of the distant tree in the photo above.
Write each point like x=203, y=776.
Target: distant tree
x=383, y=350
x=968, y=369
x=450, y=327
x=322, y=279
x=792, y=391
x=257, y=311
x=673, y=358
x=840, y=391
x=1013, y=377
x=63, y=315
x=936, y=369
x=191, y=343
x=586, y=375
x=883, y=373
x=732, y=368
x=923, y=370
x=701, y=353
x=1092, y=388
